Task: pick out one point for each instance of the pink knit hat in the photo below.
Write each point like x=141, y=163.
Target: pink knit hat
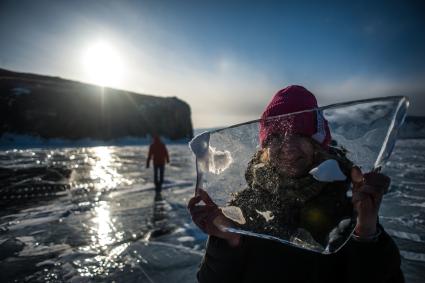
x=289, y=100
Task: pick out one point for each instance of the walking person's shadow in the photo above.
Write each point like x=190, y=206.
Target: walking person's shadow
x=161, y=224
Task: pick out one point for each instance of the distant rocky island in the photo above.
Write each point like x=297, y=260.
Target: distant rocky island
x=48, y=108
x=54, y=108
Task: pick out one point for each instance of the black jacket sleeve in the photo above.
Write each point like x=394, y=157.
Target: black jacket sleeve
x=260, y=260
x=221, y=262
x=373, y=261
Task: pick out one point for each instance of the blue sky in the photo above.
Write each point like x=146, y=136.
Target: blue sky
x=225, y=58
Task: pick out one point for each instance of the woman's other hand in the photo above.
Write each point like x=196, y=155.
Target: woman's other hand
x=368, y=190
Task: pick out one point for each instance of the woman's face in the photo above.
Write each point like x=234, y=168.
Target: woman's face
x=291, y=154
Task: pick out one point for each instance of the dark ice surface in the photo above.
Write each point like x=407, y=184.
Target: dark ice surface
x=105, y=222
x=92, y=215
x=403, y=208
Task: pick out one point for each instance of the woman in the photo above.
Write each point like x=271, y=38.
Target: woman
x=369, y=256
x=285, y=201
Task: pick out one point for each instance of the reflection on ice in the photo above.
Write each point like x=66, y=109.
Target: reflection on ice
x=104, y=226
x=93, y=230
x=104, y=238
x=104, y=169
x=101, y=265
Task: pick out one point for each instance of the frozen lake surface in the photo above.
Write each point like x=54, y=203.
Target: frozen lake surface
x=105, y=222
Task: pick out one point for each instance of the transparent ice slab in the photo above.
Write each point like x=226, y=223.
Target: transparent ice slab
x=246, y=180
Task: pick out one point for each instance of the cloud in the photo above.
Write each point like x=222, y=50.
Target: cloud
x=225, y=90
x=221, y=90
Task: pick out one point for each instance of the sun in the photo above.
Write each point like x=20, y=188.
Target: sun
x=103, y=64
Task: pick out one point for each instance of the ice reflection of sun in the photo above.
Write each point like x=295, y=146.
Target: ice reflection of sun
x=104, y=170
x=105, y=227
x=104, y=237
x=105, y=177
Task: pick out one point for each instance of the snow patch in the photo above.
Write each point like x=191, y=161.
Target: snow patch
x=268, y=215
x=18, y=91
x=328, y=171
x=9, y=140
x=234, y=213
x=186, y=239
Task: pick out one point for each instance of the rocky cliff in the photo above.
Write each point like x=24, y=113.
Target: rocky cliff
x=51, y=107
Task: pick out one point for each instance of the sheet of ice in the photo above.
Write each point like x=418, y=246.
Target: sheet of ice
x=363, y=131
x=405, y=235
x=406, y=170
x=171, y=183
x=32, y=248
x=413, y=256
x=33, y=222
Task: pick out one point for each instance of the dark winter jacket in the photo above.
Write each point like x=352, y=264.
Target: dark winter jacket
x=260, y=260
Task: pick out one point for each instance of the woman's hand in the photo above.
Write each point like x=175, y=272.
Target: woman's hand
x=368, y=190
x=210, y=219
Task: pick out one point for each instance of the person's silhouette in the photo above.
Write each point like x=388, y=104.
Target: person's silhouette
x=158, y=151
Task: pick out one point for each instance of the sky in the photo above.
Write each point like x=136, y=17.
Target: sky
x=225, y=58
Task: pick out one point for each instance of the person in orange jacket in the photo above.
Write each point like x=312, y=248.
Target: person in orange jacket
x=158, y=151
